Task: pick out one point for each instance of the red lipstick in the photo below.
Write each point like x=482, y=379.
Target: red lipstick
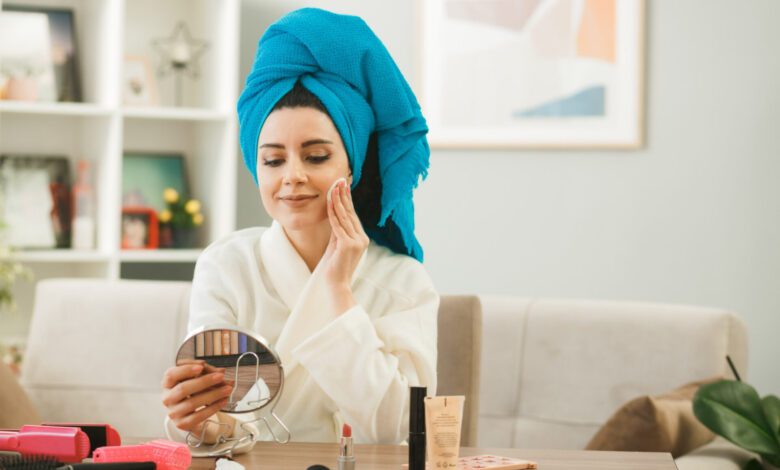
x=346, y=458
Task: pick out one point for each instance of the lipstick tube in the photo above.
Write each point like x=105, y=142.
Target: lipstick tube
x=346, y=460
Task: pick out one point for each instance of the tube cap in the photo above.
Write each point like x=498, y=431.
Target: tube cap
x=417, y=409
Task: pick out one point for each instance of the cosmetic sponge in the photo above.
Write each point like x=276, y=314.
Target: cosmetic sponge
x=330, y=190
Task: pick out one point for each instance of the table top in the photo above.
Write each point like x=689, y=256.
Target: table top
x=299, y=456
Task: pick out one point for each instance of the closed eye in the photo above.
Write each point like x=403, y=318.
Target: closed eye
x=318, y=158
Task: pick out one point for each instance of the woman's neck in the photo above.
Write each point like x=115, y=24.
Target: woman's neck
x=310, y=243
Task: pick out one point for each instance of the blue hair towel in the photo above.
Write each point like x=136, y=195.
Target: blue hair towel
x=342, y=62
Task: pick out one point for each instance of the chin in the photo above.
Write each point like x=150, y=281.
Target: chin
x=300, y=221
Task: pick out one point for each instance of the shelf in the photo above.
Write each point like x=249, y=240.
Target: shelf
x=101, y=129
x=183, y=114
x=159, y=256
x=61, y=109
x=60, y=256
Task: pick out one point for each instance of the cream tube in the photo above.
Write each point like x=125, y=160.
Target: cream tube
x=443, y=417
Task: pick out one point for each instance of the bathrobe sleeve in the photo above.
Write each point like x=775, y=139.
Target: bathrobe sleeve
x=214, y=300
x=366, y=362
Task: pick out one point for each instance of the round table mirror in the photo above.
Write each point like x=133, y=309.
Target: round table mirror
x=249, y=363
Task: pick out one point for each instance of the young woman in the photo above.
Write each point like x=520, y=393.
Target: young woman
x=335, y=285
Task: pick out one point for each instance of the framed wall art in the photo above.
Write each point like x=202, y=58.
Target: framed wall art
x=533, y=73
x=63, y=48
x=145, y=176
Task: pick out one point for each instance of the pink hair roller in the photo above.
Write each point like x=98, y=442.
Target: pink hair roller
x=168, y=455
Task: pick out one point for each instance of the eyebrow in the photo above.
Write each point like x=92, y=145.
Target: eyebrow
x=305, y=144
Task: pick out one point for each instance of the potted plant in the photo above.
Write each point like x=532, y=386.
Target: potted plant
x=10, y=271
x=180, y=220
x=734, y=410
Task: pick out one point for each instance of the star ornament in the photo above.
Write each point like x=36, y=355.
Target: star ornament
x=180, y=52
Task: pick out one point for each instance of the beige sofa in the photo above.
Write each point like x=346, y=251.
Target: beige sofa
x=553, y=371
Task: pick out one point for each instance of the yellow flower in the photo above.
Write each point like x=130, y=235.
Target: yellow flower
x=197, y=219
x=170, y=195
x=192, y=206
x=165, y=216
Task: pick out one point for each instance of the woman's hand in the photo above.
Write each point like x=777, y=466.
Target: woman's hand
x=194, y=392
x=347, y=243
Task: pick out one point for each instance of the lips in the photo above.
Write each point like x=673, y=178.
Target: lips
x=297, y=201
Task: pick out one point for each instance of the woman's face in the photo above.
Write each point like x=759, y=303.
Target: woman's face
x=299, y=156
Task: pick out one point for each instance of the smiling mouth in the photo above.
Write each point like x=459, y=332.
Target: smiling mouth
x=296, y=198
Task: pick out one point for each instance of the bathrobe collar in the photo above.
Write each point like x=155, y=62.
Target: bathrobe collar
x=303, y=292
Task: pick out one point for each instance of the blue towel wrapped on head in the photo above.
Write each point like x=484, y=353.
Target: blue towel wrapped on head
x=341, y=61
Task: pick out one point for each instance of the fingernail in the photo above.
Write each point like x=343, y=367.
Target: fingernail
x=218, y=377
x=197, y=368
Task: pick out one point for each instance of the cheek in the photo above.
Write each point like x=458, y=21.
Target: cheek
x=266, y=194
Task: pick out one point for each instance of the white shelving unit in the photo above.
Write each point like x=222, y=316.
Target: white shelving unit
x=101, y=128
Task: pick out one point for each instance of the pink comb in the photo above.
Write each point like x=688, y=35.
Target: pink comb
x=168, y=455
x=67, y=445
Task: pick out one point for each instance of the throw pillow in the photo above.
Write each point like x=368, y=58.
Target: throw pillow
x=16, y=409
x=664, y=423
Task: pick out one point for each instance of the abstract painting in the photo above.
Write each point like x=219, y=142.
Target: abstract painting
x=533, y=73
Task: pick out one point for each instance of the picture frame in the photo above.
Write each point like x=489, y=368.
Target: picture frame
x=26, y=69
x=140, y=228
x=145, y=175
x=36, y=200
x=64, y=48
x=532, y=74
x=139, y=87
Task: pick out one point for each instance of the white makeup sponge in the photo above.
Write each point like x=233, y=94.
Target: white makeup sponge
x=330, y=190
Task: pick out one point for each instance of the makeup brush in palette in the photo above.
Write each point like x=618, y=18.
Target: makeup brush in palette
x=489, y=462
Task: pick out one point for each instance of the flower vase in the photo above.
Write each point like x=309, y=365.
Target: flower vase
x=183, y=237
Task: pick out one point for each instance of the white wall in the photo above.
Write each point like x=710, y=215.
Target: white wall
x=693, y=217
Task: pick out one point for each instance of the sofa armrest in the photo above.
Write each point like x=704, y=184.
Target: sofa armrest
x=719, y=454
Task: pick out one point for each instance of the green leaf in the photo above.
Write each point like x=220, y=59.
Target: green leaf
x=771, y=405
x=753, y=464
x=734, y=410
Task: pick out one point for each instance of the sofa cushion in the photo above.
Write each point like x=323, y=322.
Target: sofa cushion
x=98, y=350
x=554, y=370
x=663, y=423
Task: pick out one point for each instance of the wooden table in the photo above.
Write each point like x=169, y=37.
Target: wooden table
x=298, y=456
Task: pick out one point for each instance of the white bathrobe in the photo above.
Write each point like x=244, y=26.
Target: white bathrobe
x=352, y=367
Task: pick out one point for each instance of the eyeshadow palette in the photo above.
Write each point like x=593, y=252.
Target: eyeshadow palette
x=494, y=462
x=490, y=462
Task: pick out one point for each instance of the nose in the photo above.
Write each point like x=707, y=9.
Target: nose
x=295, y=172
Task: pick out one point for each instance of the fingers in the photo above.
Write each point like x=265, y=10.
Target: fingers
x=348, y=199
x=188, y=406
x=188, y=387
x=335, y=223
x=361, y=234
x=341, y=211
x=192, y=420
x=184, y=362
x=208, y=368
x=176, y=374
